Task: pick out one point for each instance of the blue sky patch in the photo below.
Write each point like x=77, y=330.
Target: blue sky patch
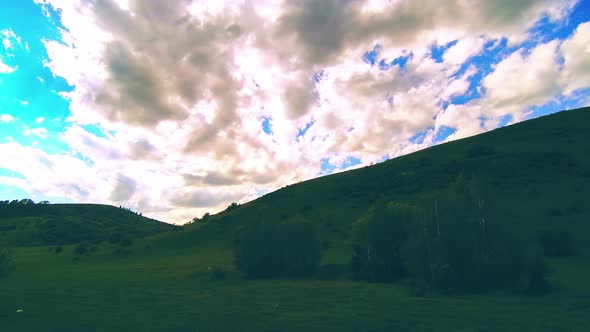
x=30, y=94
x=301, y=131
x=443, y=133
x=266, y=126
x=325, y=167
x=370, y=57
x=419, y=137
x=577, y=99
x=11, y=174
x=437, y=52
x=349, y=162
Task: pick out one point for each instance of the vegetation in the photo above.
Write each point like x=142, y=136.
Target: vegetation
x=6, y=263
x=451, y=248
x=286, y=249
x=24, y=223
x=557, y=243
x=377, y=253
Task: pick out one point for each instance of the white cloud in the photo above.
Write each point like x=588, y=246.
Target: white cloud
x=576, y=55
x=464, y=49
x=6, y=118
x=181, y=92
x=39, y=120
x=523, y=80
x=40, y=132
x=6, y=69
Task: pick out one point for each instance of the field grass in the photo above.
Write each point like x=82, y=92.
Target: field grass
x=153, y=289
x=536, y=176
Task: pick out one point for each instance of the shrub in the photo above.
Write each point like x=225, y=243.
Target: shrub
x=556, y=243
x=457, y=247
x=81, y=248
x=286, y=249
x=121, y=251
x=536, y=282
x=58, y=249
x=6, y=263
x=379, y=238
x=218, y=274
x=121, y=239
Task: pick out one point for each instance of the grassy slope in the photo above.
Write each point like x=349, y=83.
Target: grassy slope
x=70, y=223
x=538, y=177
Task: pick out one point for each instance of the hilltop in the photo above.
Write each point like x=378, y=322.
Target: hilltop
x=27, y=224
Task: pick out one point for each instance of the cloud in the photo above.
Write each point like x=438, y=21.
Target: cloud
x=521, y=79
x=6, y=69
x=180, y=91
x=211, y=178
x=576, y=56
x=463, y=50
x=40, y=132
x=203, y=198
x=6, y=118
x=124, y=189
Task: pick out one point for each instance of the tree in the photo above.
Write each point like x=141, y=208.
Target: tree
x=458, y=247
x=380, y=235
x=6, y=263
x=556, y=243
x=271, y=249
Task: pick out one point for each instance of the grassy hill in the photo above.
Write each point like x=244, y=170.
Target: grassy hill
x=535, y=176
x=56, y=224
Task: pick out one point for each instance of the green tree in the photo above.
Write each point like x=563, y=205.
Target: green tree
x=379, y=237
x=286, y=249
x=457, y=246
x=6, y=263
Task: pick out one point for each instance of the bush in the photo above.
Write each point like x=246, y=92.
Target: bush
x=121, y=251
x=536, y=282
x=454, y=246
x=556, y=243
x=6, y=263
x=458, y=247
x=218, y=274
x=379, y=238
x=121, y=239
x=286, y=249
x=81, y=248
x=58, y=249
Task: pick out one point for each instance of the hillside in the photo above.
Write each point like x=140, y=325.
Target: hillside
x=56, y=224
x=533, y=175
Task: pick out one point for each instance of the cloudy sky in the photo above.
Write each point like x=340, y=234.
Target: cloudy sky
x=176, y=108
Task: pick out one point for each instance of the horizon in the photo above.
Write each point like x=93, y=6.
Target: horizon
x=177, y=110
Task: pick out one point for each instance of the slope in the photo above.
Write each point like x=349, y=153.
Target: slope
x=55, y=224
x=535, y=175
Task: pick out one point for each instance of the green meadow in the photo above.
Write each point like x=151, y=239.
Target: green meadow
x=535, y=176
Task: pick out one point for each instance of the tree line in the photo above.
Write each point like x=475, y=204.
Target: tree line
x=445, y=243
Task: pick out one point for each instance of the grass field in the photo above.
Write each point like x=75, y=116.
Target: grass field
x=537, y=175
x=156, y=289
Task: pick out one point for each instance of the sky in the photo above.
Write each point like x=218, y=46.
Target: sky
x=177, y=108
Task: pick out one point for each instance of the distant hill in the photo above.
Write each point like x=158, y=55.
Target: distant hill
x=536, y=175
x=54, y=224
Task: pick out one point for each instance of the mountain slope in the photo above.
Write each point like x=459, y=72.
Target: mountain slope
x=53, y=224
x=536, y=174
